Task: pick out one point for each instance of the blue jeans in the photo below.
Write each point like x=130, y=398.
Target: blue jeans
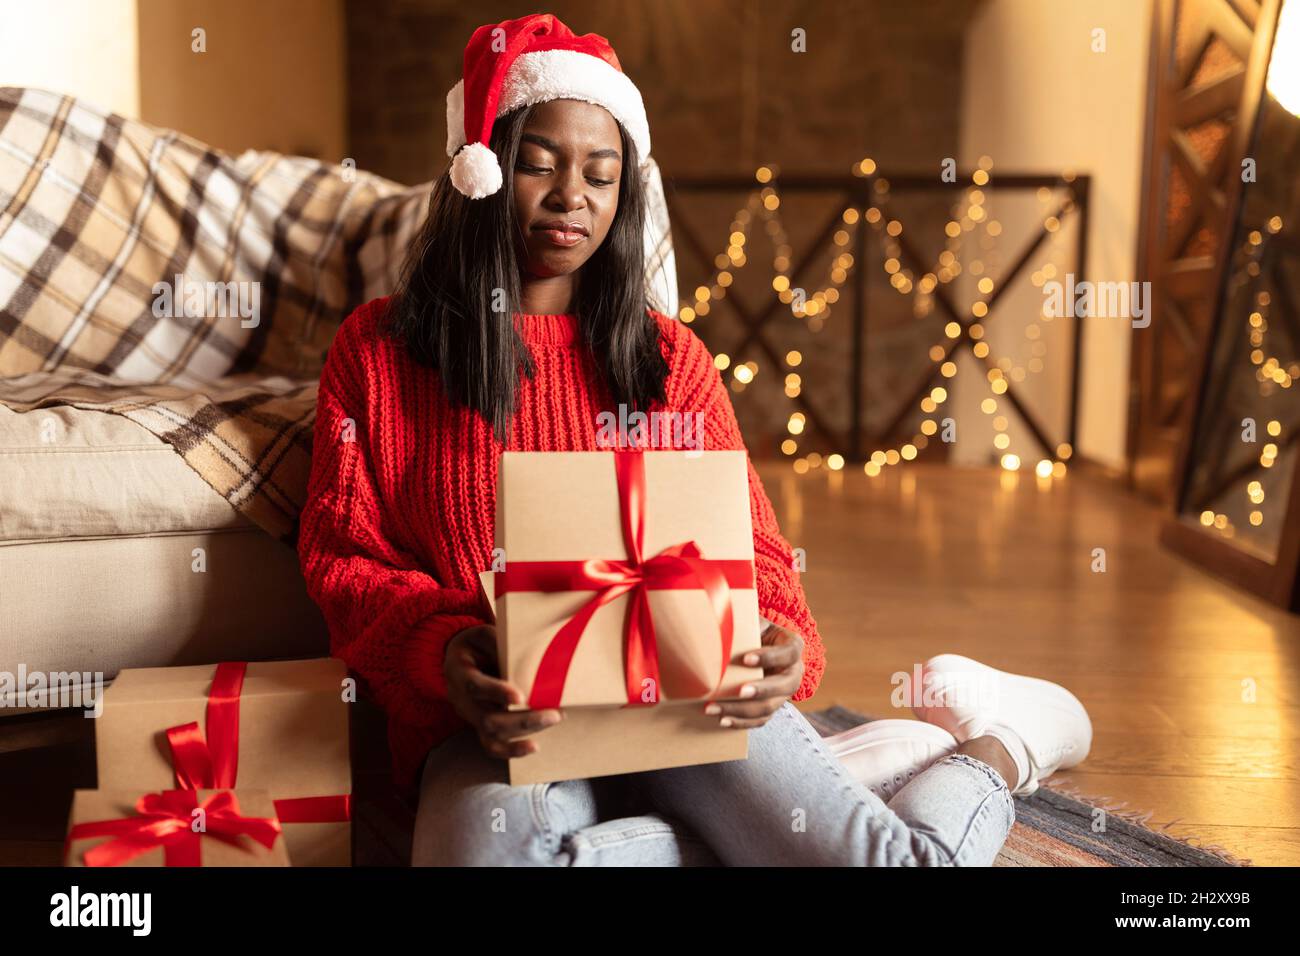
x=790, y=804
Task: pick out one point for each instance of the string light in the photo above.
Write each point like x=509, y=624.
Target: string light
x=1271, y=374
x=765, y=204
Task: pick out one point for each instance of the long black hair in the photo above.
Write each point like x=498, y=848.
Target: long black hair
x=460, y=288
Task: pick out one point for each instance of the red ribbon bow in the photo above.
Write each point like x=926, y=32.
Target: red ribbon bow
x=678, y=567
x=166, y=819
x=213, y=764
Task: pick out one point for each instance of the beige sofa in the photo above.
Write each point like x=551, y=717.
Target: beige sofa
x=114, y=553
x=151, y=468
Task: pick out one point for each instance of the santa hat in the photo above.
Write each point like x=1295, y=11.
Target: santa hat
x=522, y=62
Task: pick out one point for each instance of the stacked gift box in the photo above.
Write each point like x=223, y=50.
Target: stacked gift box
x=220, y=765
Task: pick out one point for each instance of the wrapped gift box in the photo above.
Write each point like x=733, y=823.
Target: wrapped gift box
x=239, y=829
x=292, y=730
x=566, y=508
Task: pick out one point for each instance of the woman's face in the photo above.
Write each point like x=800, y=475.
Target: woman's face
x=566, y=185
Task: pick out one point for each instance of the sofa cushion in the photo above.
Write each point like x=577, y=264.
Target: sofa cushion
x=103, y=604
x=67, y=472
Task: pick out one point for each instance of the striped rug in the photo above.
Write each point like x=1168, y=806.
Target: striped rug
x=1054, y=827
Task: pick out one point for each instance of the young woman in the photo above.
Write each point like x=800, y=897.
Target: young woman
x=520, y=318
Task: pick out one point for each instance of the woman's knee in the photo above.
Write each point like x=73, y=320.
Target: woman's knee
x=484, y=824
x=469, y=815
x=482, y=831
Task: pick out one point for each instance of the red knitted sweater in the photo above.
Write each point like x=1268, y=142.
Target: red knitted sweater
x=401, y=505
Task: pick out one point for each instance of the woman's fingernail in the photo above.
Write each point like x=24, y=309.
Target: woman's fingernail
x=751, y=659
x=749, y=690
x=726, y=721
x=713, y=709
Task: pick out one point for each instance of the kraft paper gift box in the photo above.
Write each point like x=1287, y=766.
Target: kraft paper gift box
x=239, y=828
x=566, y=507
x=292, y=731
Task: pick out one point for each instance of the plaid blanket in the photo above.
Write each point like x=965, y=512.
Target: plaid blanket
x=265, y=255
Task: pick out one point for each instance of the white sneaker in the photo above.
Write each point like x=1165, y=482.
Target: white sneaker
x=883, y=755
x=1034, y=719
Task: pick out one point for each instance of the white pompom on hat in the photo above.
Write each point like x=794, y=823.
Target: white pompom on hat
x=521, y=62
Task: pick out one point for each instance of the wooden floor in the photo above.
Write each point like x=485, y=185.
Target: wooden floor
x=927, y=559
x=930, y=559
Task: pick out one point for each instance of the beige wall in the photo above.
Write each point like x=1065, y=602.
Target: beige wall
x=84, y=48
x=1036, y=97
x=272, y=77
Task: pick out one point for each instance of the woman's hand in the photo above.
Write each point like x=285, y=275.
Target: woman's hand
x=481, y=697
x=781, y=657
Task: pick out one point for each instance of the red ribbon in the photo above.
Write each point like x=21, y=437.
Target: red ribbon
x=678, y=567
x=213, y=764
x=166, y=819
x=335, y=809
